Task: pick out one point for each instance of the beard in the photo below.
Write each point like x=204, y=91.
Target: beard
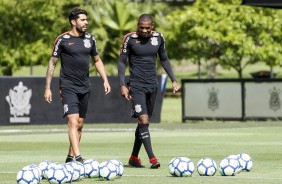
x=81, y=29
x=145, y=34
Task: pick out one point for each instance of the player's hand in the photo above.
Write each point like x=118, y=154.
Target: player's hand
x=175, y=87
x=125, y=92
x=48, y=95
x=107, y=88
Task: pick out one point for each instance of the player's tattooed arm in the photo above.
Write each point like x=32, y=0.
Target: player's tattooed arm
x=50, y=71
x=49, y=75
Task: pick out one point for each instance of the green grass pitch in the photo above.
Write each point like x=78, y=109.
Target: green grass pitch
x=115, y=142
x=24, y=145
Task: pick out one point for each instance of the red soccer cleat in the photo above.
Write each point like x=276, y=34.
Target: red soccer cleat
x=135, y=162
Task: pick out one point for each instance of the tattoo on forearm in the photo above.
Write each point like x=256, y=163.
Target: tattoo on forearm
x=50, y=71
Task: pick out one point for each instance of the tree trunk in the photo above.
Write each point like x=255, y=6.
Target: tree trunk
x=199, y=69
x=271, y=72
x=240, y=73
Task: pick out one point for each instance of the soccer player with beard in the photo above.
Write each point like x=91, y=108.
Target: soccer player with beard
x=141, y=49
x=74, y=48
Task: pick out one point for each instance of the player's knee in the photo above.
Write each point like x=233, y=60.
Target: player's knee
x=143, y=119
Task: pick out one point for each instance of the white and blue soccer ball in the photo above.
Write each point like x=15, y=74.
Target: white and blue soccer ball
x=107, y=170
x=91, y=168
x=172, y=164
x=206, y=167
x=43, y=166
x=37, y=171
x=120, y=167
x=50, y=166
x=27, y=176
x=245, y=161
x=228, y=166
x=78, y=170
x=57, y=175
x=181, y=167
x=237, y=158
x=70, y=171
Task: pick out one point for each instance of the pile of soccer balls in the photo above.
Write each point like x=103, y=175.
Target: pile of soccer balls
x=229, y=166
x=57, y=173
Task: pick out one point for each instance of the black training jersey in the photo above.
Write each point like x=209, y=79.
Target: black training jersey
x=142, y=56
x=74, y=53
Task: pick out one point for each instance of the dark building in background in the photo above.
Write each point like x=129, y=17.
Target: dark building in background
x=264, y=3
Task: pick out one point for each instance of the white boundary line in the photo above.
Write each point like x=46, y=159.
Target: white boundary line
x=84, y=130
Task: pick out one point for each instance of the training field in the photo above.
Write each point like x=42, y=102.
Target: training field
x=24, y=145
x=115, y=142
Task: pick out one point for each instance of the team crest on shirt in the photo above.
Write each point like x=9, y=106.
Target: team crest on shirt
x=66, y=36
x=134, y=35
x=87, y=43
x=66, y=108
x=154, y=41
x=156, y=34
x=138, y=108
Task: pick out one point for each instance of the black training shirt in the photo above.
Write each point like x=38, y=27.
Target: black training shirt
x=142, y=56
x=74, y=53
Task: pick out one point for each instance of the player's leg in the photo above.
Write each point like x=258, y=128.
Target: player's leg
x=70, y=155
x=73, y=124
x=79, y=132
x=146, y=140
x=141, y=98
x=134, y=160
x=136, y=94
x=83, y=105
x=71, y=110
x=151, y=95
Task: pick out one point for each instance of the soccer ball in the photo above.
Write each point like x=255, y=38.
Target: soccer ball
x=78, y=170
x=43, y=166
x=236, y=157
x=50, y=166
x=246, y=162
x=27, y=176
x=91, y=168
x=37, y=171
x=70, y=171
x=120, y=167
x=206, y=167
x=57, y=175
x=172, y=164
x=228, y=167
x=181, y=167
x=107, y=170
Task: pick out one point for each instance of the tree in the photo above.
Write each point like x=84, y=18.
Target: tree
x=28, y=30
x=112, y=20
x=226, y=33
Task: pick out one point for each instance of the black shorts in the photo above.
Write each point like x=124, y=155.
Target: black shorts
x=143, y=100
x=74, y=102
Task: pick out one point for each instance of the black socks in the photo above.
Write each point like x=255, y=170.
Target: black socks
x=137, y=143
x=69, y=158
x=146, y=139
x=78, y=158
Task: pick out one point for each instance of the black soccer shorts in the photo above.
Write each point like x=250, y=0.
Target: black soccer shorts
x=74, y=102
x=143, y=100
